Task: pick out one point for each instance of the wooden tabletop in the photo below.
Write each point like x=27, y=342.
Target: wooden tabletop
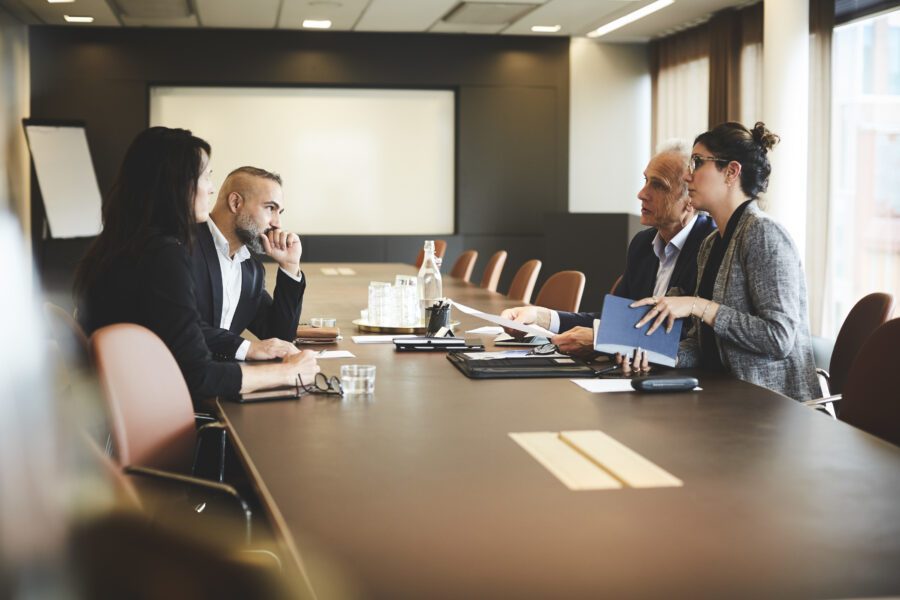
x=420, y=492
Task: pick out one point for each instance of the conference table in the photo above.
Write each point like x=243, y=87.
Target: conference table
x=419, y=491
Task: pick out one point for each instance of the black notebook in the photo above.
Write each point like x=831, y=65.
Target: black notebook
x=475, y=367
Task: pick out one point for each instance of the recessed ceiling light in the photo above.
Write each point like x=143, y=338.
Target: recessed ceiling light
x=60, y=1
x=72, y=19
x=546, y=28
x=630, y=18
x=317, y=23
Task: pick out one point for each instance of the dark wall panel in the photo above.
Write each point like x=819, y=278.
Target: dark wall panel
x=512, y=124
x=512, y=96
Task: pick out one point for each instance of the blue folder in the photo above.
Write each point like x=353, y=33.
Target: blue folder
x=617, y=333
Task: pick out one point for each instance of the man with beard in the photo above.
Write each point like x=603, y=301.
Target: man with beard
x=230, y=283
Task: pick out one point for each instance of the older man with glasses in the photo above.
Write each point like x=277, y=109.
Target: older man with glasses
x=661, y=260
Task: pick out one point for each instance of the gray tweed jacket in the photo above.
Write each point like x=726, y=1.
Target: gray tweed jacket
x=762, y=327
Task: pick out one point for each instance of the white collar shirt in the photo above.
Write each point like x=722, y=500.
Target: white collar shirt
x=668, y=256
x=231, y=274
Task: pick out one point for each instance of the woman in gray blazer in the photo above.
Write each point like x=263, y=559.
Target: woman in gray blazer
x=749, y=310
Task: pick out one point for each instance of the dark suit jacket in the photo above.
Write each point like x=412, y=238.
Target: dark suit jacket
x=641, y=266
x=156, y=290
x=256, y=310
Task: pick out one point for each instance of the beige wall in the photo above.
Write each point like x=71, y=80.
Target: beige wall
x=15, y=193
x=609, y=125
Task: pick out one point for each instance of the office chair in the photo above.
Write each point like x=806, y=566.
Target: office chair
x=869, y=400
x=864, y=318
x=152, y=418
x=464, y=265
x=523, y=282
x=562, y=291
x=440, y=248
x=615, y=285
x=493, y=270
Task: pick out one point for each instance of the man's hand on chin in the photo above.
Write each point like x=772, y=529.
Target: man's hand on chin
x=285, y=248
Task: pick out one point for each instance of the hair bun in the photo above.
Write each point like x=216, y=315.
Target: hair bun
x=763, y=137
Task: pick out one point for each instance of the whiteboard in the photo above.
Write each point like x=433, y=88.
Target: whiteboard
x=66, y=178
x=354, y=161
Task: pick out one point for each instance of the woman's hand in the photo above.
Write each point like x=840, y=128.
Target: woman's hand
x=636, y=364
x=665, y=308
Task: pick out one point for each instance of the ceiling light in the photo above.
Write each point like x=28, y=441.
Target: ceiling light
x=317, y=24
x=630, y=18
x=546, y=28
x=71, y=19
x=60, y=1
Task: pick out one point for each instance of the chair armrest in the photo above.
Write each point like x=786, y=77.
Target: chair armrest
x=220, y=489
x=201, y=418
x=825, y=400
x=824, y=378
x=211, y=435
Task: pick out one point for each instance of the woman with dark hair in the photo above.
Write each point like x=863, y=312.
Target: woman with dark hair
x=750, y=306
x=138, y=269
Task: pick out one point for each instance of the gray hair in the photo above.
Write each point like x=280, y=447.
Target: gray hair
x=676, y=145
x=680, y=148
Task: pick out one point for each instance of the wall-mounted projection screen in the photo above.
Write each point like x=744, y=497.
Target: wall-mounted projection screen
x=354, y=161
x=65, y=174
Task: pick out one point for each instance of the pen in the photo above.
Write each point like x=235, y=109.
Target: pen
x=606, y=370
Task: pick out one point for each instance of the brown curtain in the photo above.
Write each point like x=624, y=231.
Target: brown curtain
x=821, y=26
x=730, y=31
x=724, y=67
x=731, y=43
x=668, y=55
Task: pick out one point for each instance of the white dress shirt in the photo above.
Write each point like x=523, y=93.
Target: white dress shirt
x=231, y=282
x=667, y=255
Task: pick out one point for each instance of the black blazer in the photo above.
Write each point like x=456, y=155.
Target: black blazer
x=156, y=290
x=256, y=310
x=641, y=266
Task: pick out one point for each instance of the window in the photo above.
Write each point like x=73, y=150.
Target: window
x=865, y=206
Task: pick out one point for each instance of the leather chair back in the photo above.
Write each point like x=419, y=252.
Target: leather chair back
x=440, y=248
x=522, y=285
x=491, y=277
x=562, y=291
x=870, y=398
x=615, y=285
x=865, y=317
x=152, y=418
x=462, y=268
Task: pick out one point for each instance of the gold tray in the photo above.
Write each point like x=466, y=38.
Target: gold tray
x=366, y=327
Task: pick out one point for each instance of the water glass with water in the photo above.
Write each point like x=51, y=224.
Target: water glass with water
x=358, y=379
x=407, y=297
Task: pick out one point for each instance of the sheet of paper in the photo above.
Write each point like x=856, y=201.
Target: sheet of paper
x=487, y=330
x=379, y=339
x=604, y=385
x=329, y=271
x=346, y=271
x=531, y=329
x=334, y=354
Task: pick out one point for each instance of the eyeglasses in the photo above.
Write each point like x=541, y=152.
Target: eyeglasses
x=697, y=161
x=544, y=350
x=321, y=384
